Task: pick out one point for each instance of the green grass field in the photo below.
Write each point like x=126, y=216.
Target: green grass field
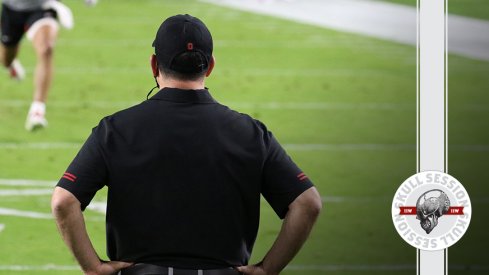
x=344, y=105
x=471, y=8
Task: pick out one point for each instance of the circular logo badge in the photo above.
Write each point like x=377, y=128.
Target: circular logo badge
x=431, y=210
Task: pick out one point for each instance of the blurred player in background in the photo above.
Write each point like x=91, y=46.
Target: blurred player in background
x=38, y=20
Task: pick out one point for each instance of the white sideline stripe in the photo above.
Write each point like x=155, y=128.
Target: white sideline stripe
x=25, y=192
x=389, y=21
x=25, y=214
x=27, y=182
x=2, y=227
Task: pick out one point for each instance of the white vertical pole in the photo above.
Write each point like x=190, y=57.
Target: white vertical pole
x=431, y=108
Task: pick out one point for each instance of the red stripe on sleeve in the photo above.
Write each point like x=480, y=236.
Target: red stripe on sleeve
x=71, y=175
x=68, y=178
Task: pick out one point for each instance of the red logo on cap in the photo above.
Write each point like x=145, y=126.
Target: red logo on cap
x=190, y=46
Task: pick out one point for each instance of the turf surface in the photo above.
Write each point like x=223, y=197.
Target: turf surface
x=352, y=98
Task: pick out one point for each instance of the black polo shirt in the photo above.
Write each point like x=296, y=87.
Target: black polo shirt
x=184, y=176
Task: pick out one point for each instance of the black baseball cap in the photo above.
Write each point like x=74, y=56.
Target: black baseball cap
x=179, y=34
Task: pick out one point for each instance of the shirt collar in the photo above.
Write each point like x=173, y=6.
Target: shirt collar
x=184, y=96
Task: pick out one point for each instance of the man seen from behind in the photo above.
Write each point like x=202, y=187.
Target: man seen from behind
x=184, y=176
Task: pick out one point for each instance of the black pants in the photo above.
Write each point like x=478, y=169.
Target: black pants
x=149, y=269
x=15, y=23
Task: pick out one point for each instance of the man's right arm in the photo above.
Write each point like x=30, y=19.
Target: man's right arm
x=71, y=224
x=86, y=174
x=297, y=225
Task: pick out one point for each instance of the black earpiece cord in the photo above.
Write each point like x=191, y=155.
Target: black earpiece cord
x=150, y=91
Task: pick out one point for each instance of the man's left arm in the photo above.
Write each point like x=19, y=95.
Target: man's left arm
x=70, y=221
x=294, y=198
x=296, y=227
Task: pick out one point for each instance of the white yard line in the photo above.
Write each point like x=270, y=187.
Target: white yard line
x=24, y=214
x=27, y=182
x=24, y=192
x=466, y=36
x=100, y=207
x=39, y=145
x=36, y=215
x=2, y=227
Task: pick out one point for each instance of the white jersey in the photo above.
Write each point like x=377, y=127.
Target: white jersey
x=24, y=5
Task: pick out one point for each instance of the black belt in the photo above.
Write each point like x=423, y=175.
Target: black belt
x=149, y=269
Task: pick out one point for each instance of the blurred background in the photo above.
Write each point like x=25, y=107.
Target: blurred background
x=342, y=102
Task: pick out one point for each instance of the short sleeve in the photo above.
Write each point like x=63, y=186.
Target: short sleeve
x=87, y=173
x=283, y=181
